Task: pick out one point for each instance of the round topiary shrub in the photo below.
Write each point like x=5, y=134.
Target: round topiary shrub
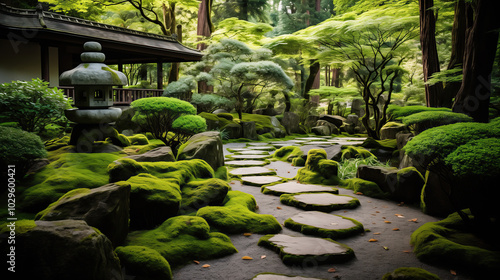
x=19, y=148
x=419, y=122
x=397, y=113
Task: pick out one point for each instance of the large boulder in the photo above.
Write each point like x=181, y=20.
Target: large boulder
x=66, y=249
x=232, y=130
x=321, y=130
x=390, y=129
x=206, y=146
x=105, y=208
x=402, y=185
x=440, y=197
x=249, y=130
x=291, y=122
x=358, y=107
x=333, y=128
x=338, y=121
x=163, y=153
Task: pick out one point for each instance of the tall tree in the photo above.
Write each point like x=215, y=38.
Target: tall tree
x=473, y=98
x=205, y=26
x=430, y=60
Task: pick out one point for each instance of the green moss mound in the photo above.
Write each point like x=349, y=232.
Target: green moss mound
x=450, y=242
x=318, y=169
x=70, y=171
x=365, y=187
x=410, y=273
x=421, y=121
x=262, y=122
x=200, y=193
x=478, y=157
x=144, y=263
x=237, y=216
x=397, y=112
x=22, y=226
x=182, y=239
x=20, y=148
x=386, y=144
x=349, y=152
x=298, y=161
x=152, y=200
x=180, y=172
x=326, y=233
x=439, y=142
x=138, y=139
x=287, y=153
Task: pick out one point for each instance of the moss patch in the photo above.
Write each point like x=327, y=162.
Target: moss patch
x=70, y=171
x=138, y=139
x=318, y=169
x=364, y=187
x=200, y=193
x=355, y=152
x=450, y=242
x=182, y=239
x=287, y=153
x=238, y=216
x=144, y=262
x=410, y=273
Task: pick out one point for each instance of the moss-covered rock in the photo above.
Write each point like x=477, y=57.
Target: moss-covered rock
x=421, y=121
x=298, y=161
x=237, y=216
x=206, y=146
x=453, y=243
x=123, y=169
x=395, y=112
x=68, y=171
x=288, y=153
x=355, y=152
x=200, y=193
x=144, y=263
x=390, y=129
x=182, y=239
x=318, y=169
x=365, y=187
x=138, y=139
x=410, y=273
x=152, y=200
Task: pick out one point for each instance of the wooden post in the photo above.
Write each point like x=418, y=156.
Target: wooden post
x=45, y=71
x=159, y=75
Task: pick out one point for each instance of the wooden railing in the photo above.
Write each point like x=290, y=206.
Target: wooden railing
x=121, y=96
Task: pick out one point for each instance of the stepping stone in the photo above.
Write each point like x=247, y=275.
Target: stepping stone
x=272, y=276
x=257, y=144
x=311, y=139
x=325, y=202
x=260, y=180
x=296, y=187
x=324, y=225
x=246, y=163
x=319, y=143
x=306, y=250
x=251, y=152
x=245, y=171
x=246, y=157
x=262, y=148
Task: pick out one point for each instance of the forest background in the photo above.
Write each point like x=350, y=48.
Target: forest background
x=404, y=51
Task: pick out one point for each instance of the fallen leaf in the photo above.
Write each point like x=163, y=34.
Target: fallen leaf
x=232, y=183
x=263, y=256
x=345, y=211
x=359, y=193
x=401, y=203
x=376, y=233
x=374, y=214
x=377, y=211
x=196, y=262
x=387, y=222
x=413, y=220
x=453, y=272
x=399, y=215
x=372, y=240
x=331, y=270
x=247, y=234
x=386, y=248
x=288, y=171
x=279, y=208
x=395, y=229
x=206, y=265
x=406, y=251
x=246, y=258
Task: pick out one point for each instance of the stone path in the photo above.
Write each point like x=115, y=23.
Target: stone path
x=383, y=248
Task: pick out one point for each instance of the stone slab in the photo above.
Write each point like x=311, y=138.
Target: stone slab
x=324, y=225
x=257, y=144
x=325, y=202
x=272, y=276
x=296, y=187
x=247, y=157
x=246, y=163
x=295, y=250
x=319, y=143
x=260, y=180
x=256, y=170
x=251, y=152
x=308, y=139
x=262, y=148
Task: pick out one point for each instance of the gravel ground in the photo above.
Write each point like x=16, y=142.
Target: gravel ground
x=373, y=259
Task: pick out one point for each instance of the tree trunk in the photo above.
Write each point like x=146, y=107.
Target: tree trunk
x=457, y=51
x=205, y=26
x=473, y=98
x=313, y=72
x=430, y=59
x=244, y=10
x=174, y=69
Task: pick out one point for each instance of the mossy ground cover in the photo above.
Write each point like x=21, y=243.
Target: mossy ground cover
x=237, y=215
x=182, y=239
x=364, y=187
x=452, y=243
x=68, y=171
x=318, y=169
x=200, y=193
x=410, y=273
x=144, y=262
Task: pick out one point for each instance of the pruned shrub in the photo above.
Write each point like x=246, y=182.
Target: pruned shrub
x=396, y=113
x=421, y=121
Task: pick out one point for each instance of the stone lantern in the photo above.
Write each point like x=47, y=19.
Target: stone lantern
x=93, y=82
